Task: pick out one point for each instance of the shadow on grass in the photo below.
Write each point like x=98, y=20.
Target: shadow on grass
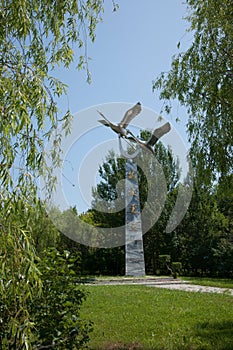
x=212, y=335
x=219, y=334
x=122, y=346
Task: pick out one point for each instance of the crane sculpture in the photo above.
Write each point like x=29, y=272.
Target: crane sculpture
x=134, y=254
x=156, y=135
x=121, y=128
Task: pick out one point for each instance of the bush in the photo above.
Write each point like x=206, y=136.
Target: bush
x=164, y=264
x=176, y=269
x=56, y=311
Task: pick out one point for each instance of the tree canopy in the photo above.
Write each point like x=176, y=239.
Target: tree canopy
x=35, y=37
x=202, y=80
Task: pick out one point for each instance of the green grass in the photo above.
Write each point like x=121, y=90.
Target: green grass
x=140, y=317
x=211, y=282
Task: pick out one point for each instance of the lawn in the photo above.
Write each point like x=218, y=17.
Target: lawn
x=141, y=317
x=211, y=282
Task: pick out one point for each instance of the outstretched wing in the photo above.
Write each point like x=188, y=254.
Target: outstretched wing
x=108, y=123
x=130, y=114
x=104, y=122
x=159, y=132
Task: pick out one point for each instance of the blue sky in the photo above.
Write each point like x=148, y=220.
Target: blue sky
x=133, y=46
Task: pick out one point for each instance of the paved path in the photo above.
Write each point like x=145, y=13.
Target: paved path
x=168, y=283
x=194, y=288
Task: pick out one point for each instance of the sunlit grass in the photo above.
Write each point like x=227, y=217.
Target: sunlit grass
x=140, y=317
x=211, y=282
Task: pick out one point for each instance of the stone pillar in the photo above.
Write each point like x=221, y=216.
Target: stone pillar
x=134, y=253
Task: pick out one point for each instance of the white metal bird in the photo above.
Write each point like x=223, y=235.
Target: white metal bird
x=120, y=128
x=156, y=135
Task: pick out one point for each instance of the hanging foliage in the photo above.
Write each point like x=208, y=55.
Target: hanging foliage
x=202, y=80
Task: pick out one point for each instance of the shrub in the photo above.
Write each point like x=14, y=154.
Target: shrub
x=176, y=268
x=56, y=311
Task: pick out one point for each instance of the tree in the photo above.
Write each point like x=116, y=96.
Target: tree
x=224, y=198
x=109, y=191
x=35, y=37
x=202, y=79
x=222, y=252
x=200, y=232
x=156, y=240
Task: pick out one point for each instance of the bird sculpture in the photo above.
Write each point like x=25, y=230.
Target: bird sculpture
x=156, y=135
x=121, y=128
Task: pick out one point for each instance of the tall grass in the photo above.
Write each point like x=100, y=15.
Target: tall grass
x=141, y=317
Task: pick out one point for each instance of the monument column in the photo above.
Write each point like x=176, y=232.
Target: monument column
x=134, y=253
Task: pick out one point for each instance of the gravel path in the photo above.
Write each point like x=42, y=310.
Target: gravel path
x=168, y=283
x=193, y=288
